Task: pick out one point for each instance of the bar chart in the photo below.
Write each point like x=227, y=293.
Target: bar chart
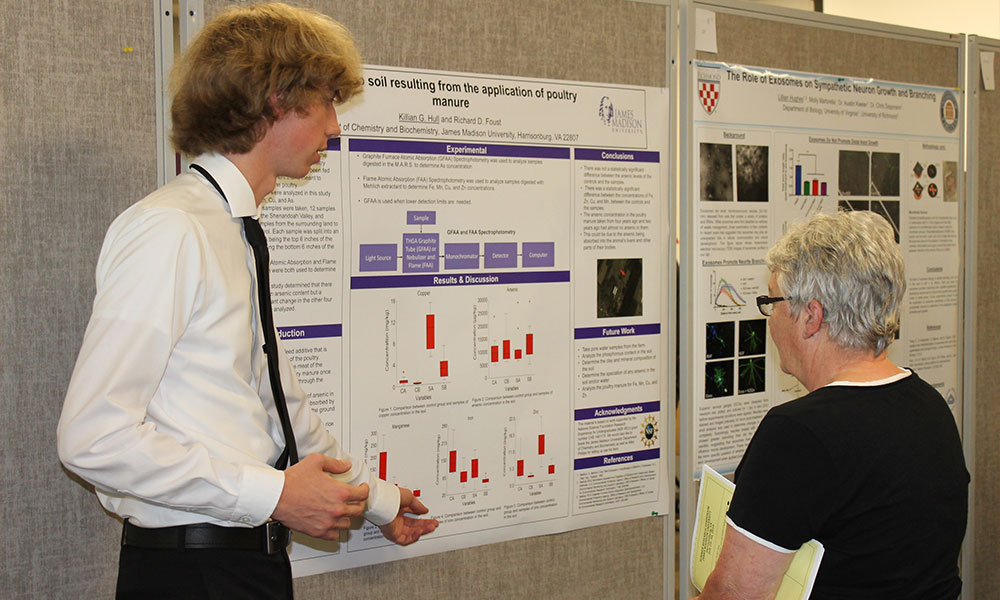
x=530, y=463
x=467, y=458
x=393, y=456
x=806, y=183
x=505, y=337
x=465, y=462
x=415, y=348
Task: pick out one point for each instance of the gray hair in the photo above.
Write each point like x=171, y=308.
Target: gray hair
x=850, y=263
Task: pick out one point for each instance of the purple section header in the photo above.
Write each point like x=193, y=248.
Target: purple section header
x=377, y=257
x=421, y=252
x=333, y=144
x=538, y=254
x=617, y=155
x=421, y=217
x=374, y=282
x=461, y=256
x=583, y=333
x=615, y=460
x=454, y=148
x=500, y=255
x=305, y=332
x=622, y=410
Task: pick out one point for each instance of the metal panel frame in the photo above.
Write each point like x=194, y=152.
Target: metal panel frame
x=163, y=56
x=971, y=207
x=175, y=22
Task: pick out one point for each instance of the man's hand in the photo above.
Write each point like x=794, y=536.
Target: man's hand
x=405, y=530
x=315, y=503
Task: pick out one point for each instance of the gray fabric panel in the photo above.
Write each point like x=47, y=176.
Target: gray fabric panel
x=795, y=47
x=77, y=132
x=615, y=41
x=986, y=476
x=621, y=561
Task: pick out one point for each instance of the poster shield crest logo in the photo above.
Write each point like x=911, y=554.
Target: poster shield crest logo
x=709, y=90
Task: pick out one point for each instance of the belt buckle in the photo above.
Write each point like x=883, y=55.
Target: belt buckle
x=276, y=537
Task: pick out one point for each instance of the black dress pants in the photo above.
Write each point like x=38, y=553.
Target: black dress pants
x=203, y=574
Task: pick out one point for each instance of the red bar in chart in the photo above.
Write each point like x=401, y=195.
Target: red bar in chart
x=444, y=368
x=506, y=349
x=475, y=468
x=541, y=443
x=552, y=469
x=430, y=332
x=383, y=459
x=452, y=461
x=464, y=476
x=494, y=353
x=520, y=468
x=529, y=344
x=517, y=353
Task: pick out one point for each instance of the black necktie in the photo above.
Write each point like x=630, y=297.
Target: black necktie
x=257, y=241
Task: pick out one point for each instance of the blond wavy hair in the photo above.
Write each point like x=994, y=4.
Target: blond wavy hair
x=252, y=63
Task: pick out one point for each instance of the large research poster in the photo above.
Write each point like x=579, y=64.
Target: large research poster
x=471, y=288
x=773, y=148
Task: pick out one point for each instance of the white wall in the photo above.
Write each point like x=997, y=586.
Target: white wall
x=979, y=17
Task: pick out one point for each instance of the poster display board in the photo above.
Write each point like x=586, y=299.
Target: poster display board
x=471, y=286
x=771, y=148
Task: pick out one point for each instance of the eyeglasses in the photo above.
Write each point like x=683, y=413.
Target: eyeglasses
x=765, y=304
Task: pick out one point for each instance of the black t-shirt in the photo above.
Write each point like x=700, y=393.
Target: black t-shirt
x=875, y=473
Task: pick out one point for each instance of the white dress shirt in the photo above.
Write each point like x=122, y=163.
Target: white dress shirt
x=169, y=411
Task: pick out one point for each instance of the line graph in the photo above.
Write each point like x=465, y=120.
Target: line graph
x=725, y=293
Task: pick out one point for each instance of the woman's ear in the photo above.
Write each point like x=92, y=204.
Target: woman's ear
x=813, y=315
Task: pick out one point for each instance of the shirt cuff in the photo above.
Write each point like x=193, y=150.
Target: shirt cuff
x=383, y=503
x=759, y=539
x=260, y=490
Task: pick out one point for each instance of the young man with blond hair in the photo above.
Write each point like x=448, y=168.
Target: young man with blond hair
x=172, y=412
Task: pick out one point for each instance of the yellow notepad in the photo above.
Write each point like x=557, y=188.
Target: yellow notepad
x=710, y=529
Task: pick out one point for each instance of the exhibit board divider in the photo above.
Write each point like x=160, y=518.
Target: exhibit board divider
x=982, y=413
x=770, y=38
x=79, y=150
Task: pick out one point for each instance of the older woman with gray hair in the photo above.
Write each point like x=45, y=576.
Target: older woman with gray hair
x=869, y=462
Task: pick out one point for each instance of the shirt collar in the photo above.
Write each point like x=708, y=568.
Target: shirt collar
x=233, y=183
x=903, y=373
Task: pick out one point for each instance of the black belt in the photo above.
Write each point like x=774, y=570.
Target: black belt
x=270, y=538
